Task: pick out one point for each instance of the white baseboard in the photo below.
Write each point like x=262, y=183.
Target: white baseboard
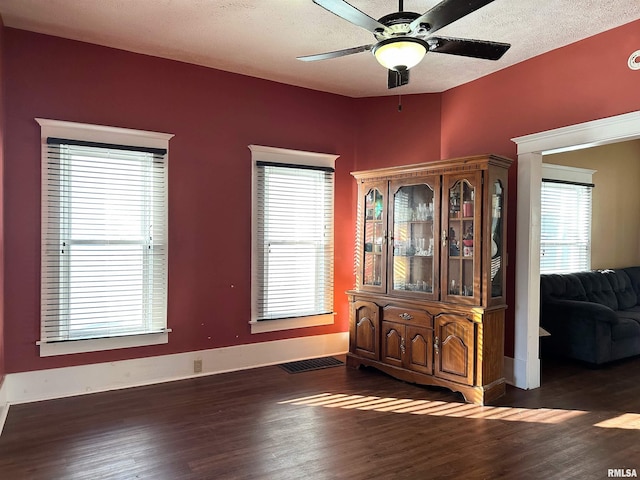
x=508, y=370
x=4, y=403
x=524, y=375
x=69, y=381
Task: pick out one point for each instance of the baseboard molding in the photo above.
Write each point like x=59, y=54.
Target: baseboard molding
x=4, y=403
x=524, y=375
x=83, y=379
x=40, y=385
x=508, y=370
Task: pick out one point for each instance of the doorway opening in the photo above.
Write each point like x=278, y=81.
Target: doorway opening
x=531, y=150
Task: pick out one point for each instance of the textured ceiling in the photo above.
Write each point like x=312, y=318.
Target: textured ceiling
x=261, y=38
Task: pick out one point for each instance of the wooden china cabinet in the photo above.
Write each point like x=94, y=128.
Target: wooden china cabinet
x=429, y=301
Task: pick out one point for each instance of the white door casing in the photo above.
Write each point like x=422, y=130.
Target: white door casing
x=531, y=149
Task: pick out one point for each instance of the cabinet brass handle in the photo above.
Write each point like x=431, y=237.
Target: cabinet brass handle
x=405, y=316
x=436, y=345
x=402, y=347
x=444, y=238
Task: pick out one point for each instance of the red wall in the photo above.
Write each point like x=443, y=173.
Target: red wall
x=388, y=137
x=214, y=115
x=583, y=81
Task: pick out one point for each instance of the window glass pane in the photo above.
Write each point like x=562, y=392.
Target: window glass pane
x=295, y=242
x=107, y=197
x=104, y=242
x=565, y=228
x=106, y=290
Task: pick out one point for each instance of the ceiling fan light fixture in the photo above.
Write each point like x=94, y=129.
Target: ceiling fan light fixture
x=400, y=53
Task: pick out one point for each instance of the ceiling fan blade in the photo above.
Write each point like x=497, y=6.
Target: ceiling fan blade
x=336, y=54
x=351, y=14
x=446, y=12
x=397, y=78
x=469, y=48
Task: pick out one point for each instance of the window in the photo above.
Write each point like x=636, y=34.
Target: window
x=292, y=262
x=565, y=222
x=104, y=238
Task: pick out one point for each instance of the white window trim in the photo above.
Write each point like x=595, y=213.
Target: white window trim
x=565, y=173
x=286, y=156
x=101, y=344
x=101, y=134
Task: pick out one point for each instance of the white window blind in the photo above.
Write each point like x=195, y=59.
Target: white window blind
x=565, y=227
x=294, y=240
x=104, y=240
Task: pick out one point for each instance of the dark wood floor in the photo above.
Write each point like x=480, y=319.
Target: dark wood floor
x=336, y=423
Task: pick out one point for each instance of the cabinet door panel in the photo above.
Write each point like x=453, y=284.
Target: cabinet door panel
x=454, y=351
x=414, y=242
x=372, y=274
x=364, y=335
x=393, y=345
x=496, y=233
x=462, y=245
x=420, y=349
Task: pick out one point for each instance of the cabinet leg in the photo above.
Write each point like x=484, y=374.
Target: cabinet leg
x=353, y=362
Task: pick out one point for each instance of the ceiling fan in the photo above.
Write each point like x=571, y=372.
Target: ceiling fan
x=403, y=38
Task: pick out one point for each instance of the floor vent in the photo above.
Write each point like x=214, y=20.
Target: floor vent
x=312, y=364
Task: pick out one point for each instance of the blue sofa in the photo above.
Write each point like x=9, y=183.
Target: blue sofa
x=593, y=316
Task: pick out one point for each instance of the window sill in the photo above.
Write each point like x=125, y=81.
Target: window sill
x=100, y=344
x=291, y=323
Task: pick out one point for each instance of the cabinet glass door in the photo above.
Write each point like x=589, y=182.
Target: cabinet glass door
x=462, y=256
x=414, y=237
x=373, y=272
x=497, y=247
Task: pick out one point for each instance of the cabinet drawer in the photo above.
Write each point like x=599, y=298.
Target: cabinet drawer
x=408, y=316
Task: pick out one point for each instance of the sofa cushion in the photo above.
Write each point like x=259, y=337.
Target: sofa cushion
x=598, y=289
x=634, y=275
x=629, y=314
x=622, y=288
x=565, y=287
x=625, y=328
x=592, y=316
x=628, y=325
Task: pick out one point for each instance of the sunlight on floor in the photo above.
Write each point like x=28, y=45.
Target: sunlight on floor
x=425, y=407
x=628, y=421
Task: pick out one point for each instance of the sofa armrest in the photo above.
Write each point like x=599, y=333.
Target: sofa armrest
x=579, y=329
x=553, y=311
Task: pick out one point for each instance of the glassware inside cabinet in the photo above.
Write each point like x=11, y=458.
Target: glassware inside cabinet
x=373, y=238
x=460, y=239
x=413, y=239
